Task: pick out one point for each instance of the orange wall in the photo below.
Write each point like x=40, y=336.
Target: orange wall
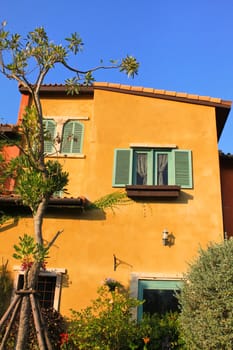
x=226, y=170
x=8, y=153
x=134, y=231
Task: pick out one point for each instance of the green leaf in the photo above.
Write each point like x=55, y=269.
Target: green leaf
x=129, y=65
x=75, y=43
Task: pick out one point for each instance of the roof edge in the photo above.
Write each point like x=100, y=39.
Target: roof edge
x=137, y=90
x=13, y=200
x=221, y=106
x=164, y=94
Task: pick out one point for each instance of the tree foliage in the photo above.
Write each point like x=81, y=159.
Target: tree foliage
x=207, y=299
x=106, y=324
x=28, y=60
x=19, y=56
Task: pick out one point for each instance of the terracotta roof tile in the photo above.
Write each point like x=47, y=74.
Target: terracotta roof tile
x=215, y=99
x=193, y=96
x=170, y=93
x=127, y=87
x=166, y=94
x=150, y=90
x=137, y=88
x=182, y=94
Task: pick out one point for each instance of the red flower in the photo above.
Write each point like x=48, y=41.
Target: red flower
x=64, y=338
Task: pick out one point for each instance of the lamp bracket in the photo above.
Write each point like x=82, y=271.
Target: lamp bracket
x=117, y=262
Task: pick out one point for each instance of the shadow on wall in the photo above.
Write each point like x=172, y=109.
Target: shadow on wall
x=76, y=213
x=9, y=223
x=183, y=198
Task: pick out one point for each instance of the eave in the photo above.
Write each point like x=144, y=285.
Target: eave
x=15, y=201
x=222, y=107
x=9, y=130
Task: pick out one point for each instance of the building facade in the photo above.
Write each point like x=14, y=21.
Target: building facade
x=160, y=149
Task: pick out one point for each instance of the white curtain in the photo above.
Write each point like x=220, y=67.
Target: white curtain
x=162, y=169
x=141, y=169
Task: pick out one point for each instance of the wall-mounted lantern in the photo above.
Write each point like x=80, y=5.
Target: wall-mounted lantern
x=165, y=238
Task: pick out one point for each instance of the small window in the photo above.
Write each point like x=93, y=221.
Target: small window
x=159, y=296
x=48, y=287
x=49, y=135
x=72, y=138
x=155, y=167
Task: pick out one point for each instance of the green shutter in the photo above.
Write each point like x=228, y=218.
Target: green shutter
x=72, y=137
x=183, y=168
x=78, y=137
x=49, y=127
x=122, y=167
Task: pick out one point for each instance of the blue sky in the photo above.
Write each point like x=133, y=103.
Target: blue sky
x=181, y=45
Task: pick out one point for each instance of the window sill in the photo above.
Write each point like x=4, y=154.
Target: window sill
x=148, y=191
x=68, y=155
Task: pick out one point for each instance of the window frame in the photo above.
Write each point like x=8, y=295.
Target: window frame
x=80, y=134
x=176, y=173
x=58, y=273
x=136, y=277
x=158, y=284
x=60, y=121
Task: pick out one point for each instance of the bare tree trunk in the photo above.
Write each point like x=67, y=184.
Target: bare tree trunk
x=12, y=319
x=25, y=312
x=24, y=321
x=38, y=221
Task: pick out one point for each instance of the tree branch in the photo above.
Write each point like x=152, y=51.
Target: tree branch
x=54, y=239
x=89, y=70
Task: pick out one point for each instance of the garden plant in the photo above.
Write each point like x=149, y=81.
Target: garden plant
x=207, y=299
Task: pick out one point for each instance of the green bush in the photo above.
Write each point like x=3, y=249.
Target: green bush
x=207, y=299
x=106, y=325
x=163, y=331
x=6, y=285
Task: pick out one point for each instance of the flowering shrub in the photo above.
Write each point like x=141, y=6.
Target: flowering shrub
x=106, y=324
x=64, y=339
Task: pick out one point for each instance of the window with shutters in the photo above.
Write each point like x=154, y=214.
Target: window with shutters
x=72, y=137
x=152, y=167
x=49, y=135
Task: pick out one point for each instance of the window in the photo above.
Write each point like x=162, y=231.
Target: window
x=152, y=167
x=72, y=137
x=50, y=128
x=69, y=143
x=48, y=286
x=159, y=296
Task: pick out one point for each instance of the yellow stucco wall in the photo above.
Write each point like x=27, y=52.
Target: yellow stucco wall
x=134, y=231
